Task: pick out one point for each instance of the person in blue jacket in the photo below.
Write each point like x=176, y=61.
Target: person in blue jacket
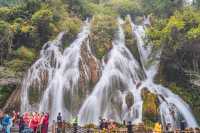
x=7, y=123
x=1, y=125
x=1, y=118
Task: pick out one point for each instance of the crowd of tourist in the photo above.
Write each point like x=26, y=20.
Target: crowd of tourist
x=28, y=122
x=106, y=124
x=34, y=122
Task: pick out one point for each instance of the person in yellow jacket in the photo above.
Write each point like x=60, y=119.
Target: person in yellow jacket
x=157, y=128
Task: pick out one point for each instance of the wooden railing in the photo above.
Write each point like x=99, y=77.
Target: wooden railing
x=120, y=130
x=66, y=128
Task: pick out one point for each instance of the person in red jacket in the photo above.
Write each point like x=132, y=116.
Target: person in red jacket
x=34, y=122
x=45, y=123
x=26, y=118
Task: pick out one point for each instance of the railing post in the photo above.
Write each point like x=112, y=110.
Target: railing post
x=75, y=127
x=130, y=127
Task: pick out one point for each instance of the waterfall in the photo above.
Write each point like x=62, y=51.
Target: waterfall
x=60, y=71
x=40, y=70
x=188, y=2
x=55, y=78
x=119, y=77
x=171, y=104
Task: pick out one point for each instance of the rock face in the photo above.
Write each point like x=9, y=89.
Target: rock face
x=89, y=61
x=90, y=72
x=9, y=81
x=87, y=78
x=10, y=94
x=13, y=102
x=129, y=100
x=9, y=90
x=130, y=39
x=102, y=32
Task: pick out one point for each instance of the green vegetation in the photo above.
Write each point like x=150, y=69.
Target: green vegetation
x=177, y=30
x=42, y=21
x=25, y=53
x=103, y=31
x=86, y=8
x=25, y=27
x=6, y=40
x=162, y=8
x=130, y=39
x=150, y=108
x=5, y=92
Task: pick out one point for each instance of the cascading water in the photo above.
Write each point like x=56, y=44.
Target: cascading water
x=55, y=78
x=188, y=2
x=119, y=77
x=61, y=72
x=41, y=71
x=170, y=104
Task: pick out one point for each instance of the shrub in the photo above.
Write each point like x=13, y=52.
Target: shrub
x=31, y=6
x=17, y=65
x=25, y=54
x=179, y=29
x=22, y=27
x=42, y=20
x=4, y=28
x=4, y=12
x=194, y=33
x=24, y=33
x=95, y=9
x=42, y=16
x=10, y=13
x=71, y=25
x=5, y=92
x=124, y=7
x=162, y=8
x=130, y=39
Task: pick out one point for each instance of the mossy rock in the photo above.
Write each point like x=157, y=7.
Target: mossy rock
x=26, y=54
x=6, y=73
x=129, y=99
x=130, y=39
x=102, y=34
x=17, y=65
x=72, y=26
x=150, y=106
x=34, y=95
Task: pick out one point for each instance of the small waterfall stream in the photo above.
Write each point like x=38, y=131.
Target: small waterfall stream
x=170, y=104
x=120, y=75
x=61, y=71
x=41, y=70
x=188, y=2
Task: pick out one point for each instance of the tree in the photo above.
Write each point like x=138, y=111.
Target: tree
x=196, y=3
x=5, y=40
x=42, y=20
x=162, y=8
